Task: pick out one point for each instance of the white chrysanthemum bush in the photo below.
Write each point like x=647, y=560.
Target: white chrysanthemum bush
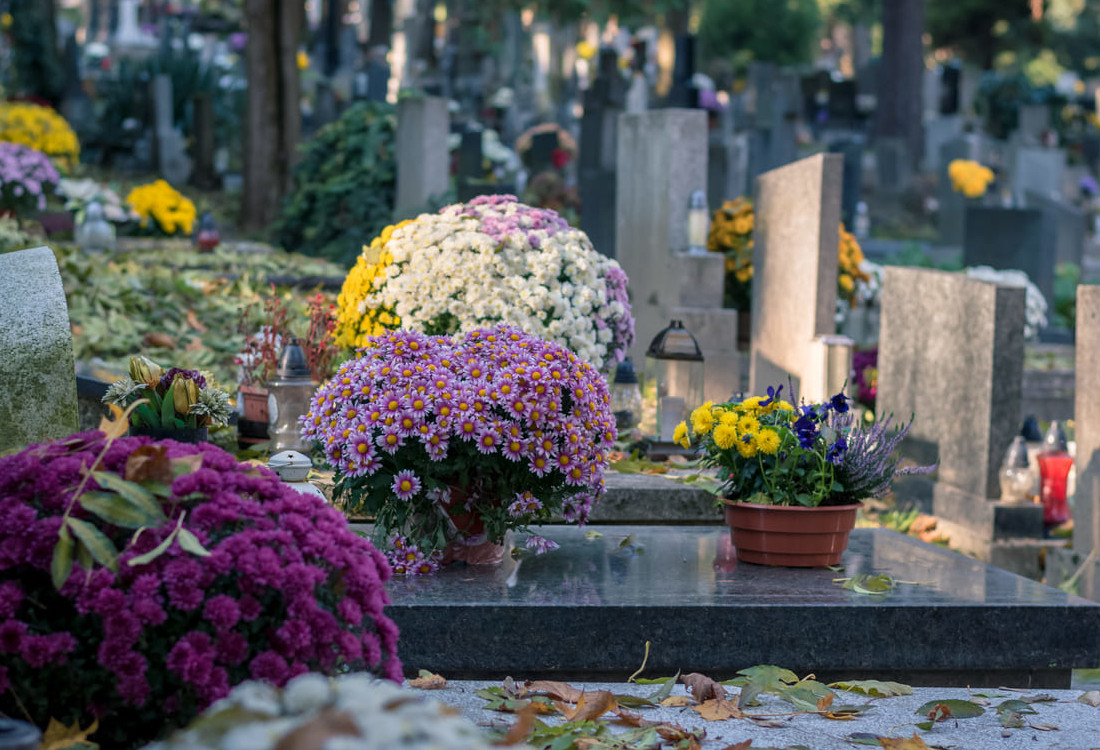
x=493, y=260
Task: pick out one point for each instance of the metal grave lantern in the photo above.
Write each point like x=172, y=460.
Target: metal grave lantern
x=626, y=397
x=673, y=382
x=288, y=397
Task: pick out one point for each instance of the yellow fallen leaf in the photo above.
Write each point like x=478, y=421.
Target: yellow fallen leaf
x=116, y=425
x=589, y=706
x=58, y=736
x=901, y=743
x=718, y=710
x=674, y=701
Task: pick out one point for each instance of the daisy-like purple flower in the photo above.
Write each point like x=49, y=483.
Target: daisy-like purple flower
x=405, y=485
x=390, y=440
x=540, y=545
x=487, y=441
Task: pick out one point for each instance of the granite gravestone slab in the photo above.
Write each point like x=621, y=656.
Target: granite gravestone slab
x=1084, y=559
x=661, y=160
x=423, y=161
x=603, y=103
x=937, y=132
x=38, y=400
x=1010, y=238
x=1038, y=170
x=852, y=151
x=796, y=236
x=892, y=159
x=952, y=211
x=586, y=611
x=1034, y=120
x=1064, y=228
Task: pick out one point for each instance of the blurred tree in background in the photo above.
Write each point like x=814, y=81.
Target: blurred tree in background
x=763, y=30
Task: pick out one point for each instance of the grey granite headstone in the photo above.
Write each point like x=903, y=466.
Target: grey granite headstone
x=936, y=133
x=951, y=353
x=1065, y=227
x=1038, y=170
x=796, y=237
x=1010, y=238
x=952, y=212
x=852, y=151
x=662, y=160
x=603, y=103
x=892, y=158
x=38, y=398
x=423, y=162
x=1086, y=507
x=1033, y=120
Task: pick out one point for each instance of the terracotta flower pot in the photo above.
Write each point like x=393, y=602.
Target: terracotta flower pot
x=470, y=545
x=793, y=537
x=253, y=423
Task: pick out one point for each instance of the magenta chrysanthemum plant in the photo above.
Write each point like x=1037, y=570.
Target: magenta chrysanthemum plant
x=256, y=581
x=26, y=176
x=465, y=438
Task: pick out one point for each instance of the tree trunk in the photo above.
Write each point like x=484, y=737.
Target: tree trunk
x=273, y=122
x=900, y=84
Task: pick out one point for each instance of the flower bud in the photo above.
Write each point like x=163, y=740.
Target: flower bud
x=145, y=370
x=185, y=393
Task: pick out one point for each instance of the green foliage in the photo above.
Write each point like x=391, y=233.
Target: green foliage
x=761, y=30
x=36, y=64
x=978, y=29
x=344, y=186
x=1066, y=278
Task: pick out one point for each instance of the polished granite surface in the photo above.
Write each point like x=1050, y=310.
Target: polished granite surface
x=589, y=607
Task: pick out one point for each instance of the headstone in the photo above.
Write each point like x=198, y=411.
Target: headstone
x=852, y=151
x=937, y=132
x=1007, y=239
x=603, y=103
x=324, y=104
x=952, y=211
x=38, y=400
x=661, y=161
x=771, y=108
x=727, y=167
x=842, y=103
x=1065, y=228
x=892, y=159
x=1086, y=508
x=796, y=235
x=683, y=93
x=171, y=155
x=1090, y=151
x=958, y=372
x=205, y=175
x=540, y=158
x=948, y=99
x=423, y=161
x=1034, y=120
x=1039, y=170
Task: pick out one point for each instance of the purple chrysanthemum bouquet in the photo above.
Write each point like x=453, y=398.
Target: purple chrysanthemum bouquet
x=448, y=440
x=26, y=175
x=139, y=582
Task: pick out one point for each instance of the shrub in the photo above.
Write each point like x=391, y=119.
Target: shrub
x=285, y=587
x=344, y=186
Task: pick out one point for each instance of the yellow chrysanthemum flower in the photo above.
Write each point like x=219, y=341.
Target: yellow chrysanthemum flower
x=969, y=177
x=159, y=202
x=702, y=420
x=746, y=446
x=725, y=436
x=40, y=128
x=767, y=440
x=355, y=323
x=680, y=435
x=729, y=417
x=748, y=423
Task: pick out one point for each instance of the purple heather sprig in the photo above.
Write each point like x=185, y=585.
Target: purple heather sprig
x=871, y=462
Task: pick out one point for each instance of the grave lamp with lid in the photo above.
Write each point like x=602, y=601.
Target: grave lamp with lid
x=626, y=397
x=698, y=223
x=673, y=382
x=288, y=397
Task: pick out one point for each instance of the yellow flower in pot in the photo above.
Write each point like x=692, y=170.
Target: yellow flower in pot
x=791, y=479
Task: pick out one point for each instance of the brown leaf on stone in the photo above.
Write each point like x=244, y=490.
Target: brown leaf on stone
x=1044, y=727
x=824, y=702
x=939, y=712
x=903, y=743
x=589, y=706
x=673, y=733
x=763, y=721
x=702, y=687
x=525, y=722
x=561, y=691
x=429, y=681
x=745, y=745
x=718, y=710
x=629, y=718
x=158, y=339
x=675, y=701
x=149, y=463
x=315, y=734
x=1091, y=698
x=1040, y=698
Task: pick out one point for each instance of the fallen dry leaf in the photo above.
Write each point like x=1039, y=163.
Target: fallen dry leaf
x=629, y=718
x=939, y=712
x=762, y=721
x=149, y=462
x=656, y=470
x=1040, y=698
x=717, y=709
x=922, y=523
x=428, y=681
x=561, y=691
x=675, y=701
x=824, y=702
x=317, y=733
x=1044, y=727
x=589, y=706
x=1091, y=698
x=745, y=745
x=115, y=426
x=702, y=687
x=59, y=736
x=158, y=339
x=673, y=733
x=194, y=322
x=902, y=743
x=525, y=722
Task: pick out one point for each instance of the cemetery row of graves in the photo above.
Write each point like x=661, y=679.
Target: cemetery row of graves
x=435, y=429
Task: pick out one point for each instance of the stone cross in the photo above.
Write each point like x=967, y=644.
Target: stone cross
x=171, y=155
x=796, y=238
x=423, y=160
x=38, y=400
